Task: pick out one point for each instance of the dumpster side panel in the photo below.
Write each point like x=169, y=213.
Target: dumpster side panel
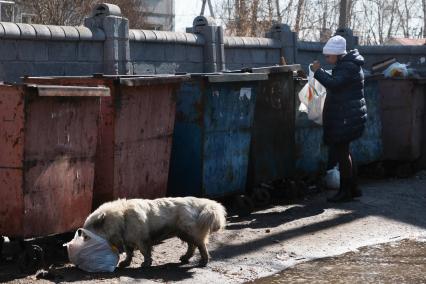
x=58, y=196
x=229, y=112
x=11, y=155
x=369, y=148
x=229, y=107
x=11, y=127
x=225, y=163
x=59, y=126
x=59, y=163
x=12, y=202
x=272, y=149
x=104, y=165
x=104, y=169
x=186, y=159
x=186, y=162
x=402, y=110
x=311, y=152
x=421, y=87
x=143, y=139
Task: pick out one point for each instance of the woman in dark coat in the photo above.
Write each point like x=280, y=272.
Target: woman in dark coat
x=345, y=112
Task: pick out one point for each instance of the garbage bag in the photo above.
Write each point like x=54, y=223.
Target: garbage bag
x=91, y=252
x=396, y=70
x=332, y=178
x=312, y=98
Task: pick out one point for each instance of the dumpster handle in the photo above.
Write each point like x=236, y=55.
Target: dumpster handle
x=70, y=91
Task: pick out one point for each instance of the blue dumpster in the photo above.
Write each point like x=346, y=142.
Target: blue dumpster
x=369, y=148
x=312, y=153
x=212, y=135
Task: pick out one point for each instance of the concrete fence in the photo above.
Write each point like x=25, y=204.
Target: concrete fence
x=105, y=44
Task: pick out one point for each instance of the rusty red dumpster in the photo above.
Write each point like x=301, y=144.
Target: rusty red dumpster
x=135, y=134
x=48, y=137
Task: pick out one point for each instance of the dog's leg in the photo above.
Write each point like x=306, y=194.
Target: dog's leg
x=146, y=250
x=189, y=253
x=129, y=256
x=204, y=254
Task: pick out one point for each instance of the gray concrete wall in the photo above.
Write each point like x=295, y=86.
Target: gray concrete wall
x=165, y=52
x=245, y=52
x=107, y=45
x=48, y=50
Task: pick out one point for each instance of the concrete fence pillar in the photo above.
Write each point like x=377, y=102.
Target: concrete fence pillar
x=214, y=48
x=116, y=46
x=351, y=40
x=283, y=33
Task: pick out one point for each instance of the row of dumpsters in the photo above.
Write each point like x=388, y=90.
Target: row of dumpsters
x=69, y=144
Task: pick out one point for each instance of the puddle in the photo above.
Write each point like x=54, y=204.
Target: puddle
x=398, y=262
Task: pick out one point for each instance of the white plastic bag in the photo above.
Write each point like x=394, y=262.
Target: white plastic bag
x=312, y=98
x=91, y=252
x=332, y=178
x=396, y=70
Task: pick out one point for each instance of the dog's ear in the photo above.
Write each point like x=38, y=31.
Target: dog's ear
x=99, y=220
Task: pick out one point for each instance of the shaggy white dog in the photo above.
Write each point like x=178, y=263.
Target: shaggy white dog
x=141, y=223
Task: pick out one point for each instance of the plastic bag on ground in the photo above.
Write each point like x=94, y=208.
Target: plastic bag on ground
x=312, y=98
x=396, y=70
x=91, y=252
x=332, y=178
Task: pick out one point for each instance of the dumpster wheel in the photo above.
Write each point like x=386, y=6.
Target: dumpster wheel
x=243, y=205
x=31, y=258
x=260, y=197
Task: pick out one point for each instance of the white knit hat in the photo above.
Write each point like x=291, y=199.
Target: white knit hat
x=335, y=46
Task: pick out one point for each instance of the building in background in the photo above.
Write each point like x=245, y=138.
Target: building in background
x=159, y=14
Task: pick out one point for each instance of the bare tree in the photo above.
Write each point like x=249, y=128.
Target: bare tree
x=299, y=15
x=374, y=21
x=343, y=17
x=254, y=12
x=73, y=12
x=277, y=6
x=56, y=12
x=424, y=18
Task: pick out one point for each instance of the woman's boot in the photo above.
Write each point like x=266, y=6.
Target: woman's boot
x=344, y=194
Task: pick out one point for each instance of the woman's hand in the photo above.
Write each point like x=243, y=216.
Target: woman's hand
x=315, y=65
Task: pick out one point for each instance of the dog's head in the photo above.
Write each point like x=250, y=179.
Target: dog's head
x=107, y=222
x=96, y=223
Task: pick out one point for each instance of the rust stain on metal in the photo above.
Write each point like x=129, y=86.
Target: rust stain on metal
x=143, y=136
x=135, y=134
x=47, y=168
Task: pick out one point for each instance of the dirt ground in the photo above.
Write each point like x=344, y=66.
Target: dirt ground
x=273, y=239
x=396, y=262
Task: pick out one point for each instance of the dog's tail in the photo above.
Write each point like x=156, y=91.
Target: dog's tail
x=212, y=216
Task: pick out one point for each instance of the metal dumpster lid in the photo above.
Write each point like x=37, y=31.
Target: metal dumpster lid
x=151, y=80
x=277, y=69
x=269, y=69
x=230, y=77
x=69, y=91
